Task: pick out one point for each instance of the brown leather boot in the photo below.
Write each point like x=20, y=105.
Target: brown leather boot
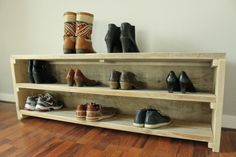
x=84, y=24
x=114, y=80
x=70, y=77
x=69, y=32
x=81, y=110
x=81, y=80
x=128, y=81
x=96, y=112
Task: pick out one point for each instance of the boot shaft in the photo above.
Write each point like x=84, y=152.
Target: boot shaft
x=84, y=24
x=69, y=23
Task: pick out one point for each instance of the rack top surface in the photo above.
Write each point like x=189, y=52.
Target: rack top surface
x=142, y=56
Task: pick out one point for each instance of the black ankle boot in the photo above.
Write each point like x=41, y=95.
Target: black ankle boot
x=112, y=39
x=172, y=82
x=30, y=74
x=128, y=38
x=41, y=72
x=186, y=84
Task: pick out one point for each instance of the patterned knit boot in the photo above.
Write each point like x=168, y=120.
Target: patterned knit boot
x=69, y=32
x=84, y=24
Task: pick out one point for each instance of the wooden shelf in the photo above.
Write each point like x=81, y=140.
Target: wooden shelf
x=177, y=56
x=178, y=129
x=207, y=71
x=153, y=94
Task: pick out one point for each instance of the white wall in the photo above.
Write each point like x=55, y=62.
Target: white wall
x=36, y=26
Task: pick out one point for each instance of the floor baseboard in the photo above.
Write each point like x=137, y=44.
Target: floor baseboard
x=228, y=121
x=7, y=97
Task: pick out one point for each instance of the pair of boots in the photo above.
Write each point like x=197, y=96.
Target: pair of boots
x=77, y=33
x=125, y=80
x=39, y=72
x=77, y=77
x=121, y=39
x=183, y=83
x=94, y=112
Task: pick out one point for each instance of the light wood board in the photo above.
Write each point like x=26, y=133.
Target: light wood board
x=153, y=94
x=178, y=129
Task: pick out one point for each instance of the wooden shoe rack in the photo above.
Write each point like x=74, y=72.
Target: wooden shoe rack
x=197, y=116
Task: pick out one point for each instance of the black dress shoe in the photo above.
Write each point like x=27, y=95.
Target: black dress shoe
x=140, y=118
x=30, y=74
x=112, y=39
x=172, y=82
x=128, y=38
x=155, y=119
x=186, y=84
x=41, y=72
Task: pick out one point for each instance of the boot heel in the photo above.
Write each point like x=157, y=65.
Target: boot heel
x=37, y=79
x=183, y=87
x=109, y=44
x=125, y=42
x=70, y=82
x=125, y=85
x=78, y=83
x=68, y=51
x=113, y=85
x=170, y=87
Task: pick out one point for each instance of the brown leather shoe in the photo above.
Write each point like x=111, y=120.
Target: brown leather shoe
x=81, y=80
x=84, y=25
x=114, y=80
x=81, y=111
x=96, y=112
x=70, y=77
x=128, y=81
x=69, y=32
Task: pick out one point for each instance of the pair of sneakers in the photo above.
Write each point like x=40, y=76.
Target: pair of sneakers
x=150, y=118
x=40, y=102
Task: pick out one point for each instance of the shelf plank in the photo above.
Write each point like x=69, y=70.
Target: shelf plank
x=178, y=129
x=142, y=56
x=152, y=94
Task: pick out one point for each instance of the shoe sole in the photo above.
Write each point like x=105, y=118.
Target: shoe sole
x=80, y=114
x=94, y=119
x=69, y=51
x=138, y=125
x=43, y=108
x=153, y=126
x=29, y=107
x=83, y=51
x=114, y=85
x=126, y=85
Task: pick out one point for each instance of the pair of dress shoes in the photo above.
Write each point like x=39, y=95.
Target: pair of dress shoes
x=76, y=77
x=182, y=83
x=121, y=39
x=39, y=72
x=124, y=80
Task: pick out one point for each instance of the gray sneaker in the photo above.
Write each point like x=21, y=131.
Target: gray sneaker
x=47, y=103
x=31, y=102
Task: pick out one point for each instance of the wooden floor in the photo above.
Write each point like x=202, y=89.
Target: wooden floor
x=46, y=138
